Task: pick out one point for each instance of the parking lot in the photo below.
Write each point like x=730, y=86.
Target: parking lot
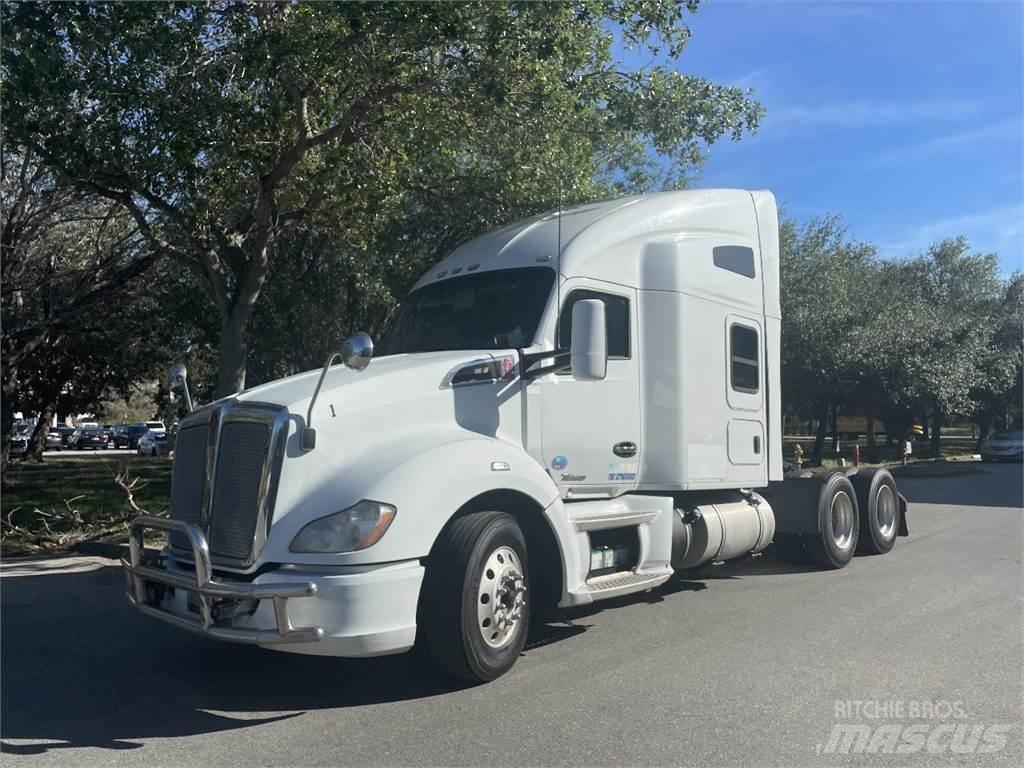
x=754, y=663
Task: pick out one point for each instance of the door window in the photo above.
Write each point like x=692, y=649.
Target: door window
x=616, y=315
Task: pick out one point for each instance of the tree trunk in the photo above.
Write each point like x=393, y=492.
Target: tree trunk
x=6, y=419
x=983, y=430
x=936, y=432
x=834, y=414
x=37, y=442
x=819, y=436
x=234, y=354
x=872, y=443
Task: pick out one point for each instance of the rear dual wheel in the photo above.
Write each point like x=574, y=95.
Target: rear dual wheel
x=834, y=502
x=476, y=608
x=879, y=507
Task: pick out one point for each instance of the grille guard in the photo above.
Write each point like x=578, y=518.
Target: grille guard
x=206, y=588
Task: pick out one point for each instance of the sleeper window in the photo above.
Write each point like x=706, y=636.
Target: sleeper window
x=743, y=358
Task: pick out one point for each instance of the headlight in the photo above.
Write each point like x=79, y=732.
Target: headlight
x=352, y=529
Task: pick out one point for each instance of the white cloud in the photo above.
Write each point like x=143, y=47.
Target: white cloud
x=1011, y=128
x=863, y=112
x=753, y=79
x=998, y=230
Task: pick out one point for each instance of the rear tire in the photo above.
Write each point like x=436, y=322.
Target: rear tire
x=838, y=524
x=475, y=608
x=879, y=505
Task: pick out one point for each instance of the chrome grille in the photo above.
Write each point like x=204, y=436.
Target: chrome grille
x=226, y=465
x=188, y=478
x=241, y=460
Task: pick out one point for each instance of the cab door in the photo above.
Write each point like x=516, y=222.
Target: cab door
x=591, y=429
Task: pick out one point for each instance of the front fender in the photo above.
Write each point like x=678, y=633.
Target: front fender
x=427, y=489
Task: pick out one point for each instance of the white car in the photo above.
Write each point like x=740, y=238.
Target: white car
x=154, y=443
x=1004, y=446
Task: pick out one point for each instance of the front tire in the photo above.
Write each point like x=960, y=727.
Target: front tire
x=476, y=608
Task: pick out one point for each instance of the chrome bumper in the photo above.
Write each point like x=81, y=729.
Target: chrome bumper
x=210, y=592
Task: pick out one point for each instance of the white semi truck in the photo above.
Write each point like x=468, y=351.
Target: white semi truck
x=571, y=408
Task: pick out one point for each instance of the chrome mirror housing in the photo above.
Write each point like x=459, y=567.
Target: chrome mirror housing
x=177, y=383
x=357, y=351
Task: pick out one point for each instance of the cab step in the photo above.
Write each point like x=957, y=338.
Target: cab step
x=623, y=583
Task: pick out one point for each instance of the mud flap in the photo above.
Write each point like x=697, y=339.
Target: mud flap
x=904, y=531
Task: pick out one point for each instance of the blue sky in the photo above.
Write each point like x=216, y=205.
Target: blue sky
x=905, y=117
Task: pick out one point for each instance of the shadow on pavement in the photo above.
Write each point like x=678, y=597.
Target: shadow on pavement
x=83, y=669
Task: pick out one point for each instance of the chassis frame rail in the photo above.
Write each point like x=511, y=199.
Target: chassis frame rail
x=207, y=588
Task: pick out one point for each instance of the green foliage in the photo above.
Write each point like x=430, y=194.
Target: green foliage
x=938, y=334
x=220, y=125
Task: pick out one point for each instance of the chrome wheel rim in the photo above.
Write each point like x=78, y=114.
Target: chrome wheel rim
x=885, y=512
x=842, y=520
x=501, y=599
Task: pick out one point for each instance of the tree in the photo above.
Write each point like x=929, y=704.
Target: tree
x=949, y=302
x=826, y=293
x=221, y=125
x=63, y=253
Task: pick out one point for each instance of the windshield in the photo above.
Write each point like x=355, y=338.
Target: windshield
x=489, y=310
x=1008, y=436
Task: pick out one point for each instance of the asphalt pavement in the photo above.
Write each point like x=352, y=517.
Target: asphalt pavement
x=912, y=658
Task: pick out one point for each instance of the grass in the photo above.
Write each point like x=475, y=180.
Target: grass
x=58, y=503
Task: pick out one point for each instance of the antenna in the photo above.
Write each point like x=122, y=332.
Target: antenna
x=558, y=262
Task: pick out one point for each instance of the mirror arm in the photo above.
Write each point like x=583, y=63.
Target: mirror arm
x=308, y=438
x=188, y=398
x=535, y=357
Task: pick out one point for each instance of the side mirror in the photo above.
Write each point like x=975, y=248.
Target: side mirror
x=357, y=351
x=177, y=383
x=588, y=348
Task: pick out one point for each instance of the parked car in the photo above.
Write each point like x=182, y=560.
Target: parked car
x=19, y=443
x=154, y=443
x=88, y=437
x=65, y=433
x=1004, y=446
x=127, y=436
x=108, y=430
x=54, y=440
x=155, y=425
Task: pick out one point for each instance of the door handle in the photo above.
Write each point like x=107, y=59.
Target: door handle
x=624, y=450
x=757, y=444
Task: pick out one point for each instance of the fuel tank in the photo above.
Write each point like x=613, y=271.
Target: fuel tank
x=720, y=527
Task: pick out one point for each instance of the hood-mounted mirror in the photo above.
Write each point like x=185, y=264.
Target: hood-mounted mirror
x=355, y=353
x=177, y=383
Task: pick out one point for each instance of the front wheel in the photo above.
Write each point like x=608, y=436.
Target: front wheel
x=475, y=610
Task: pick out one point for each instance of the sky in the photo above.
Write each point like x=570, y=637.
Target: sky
x=905, y=117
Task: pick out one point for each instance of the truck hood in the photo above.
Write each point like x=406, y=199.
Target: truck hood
x=404, y=377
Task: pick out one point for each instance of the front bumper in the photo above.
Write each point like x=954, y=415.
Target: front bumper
x=353, y=611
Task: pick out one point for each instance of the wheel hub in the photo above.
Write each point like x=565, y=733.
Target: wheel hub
x=885, y=512
x=842, y=520
x=501, y=599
